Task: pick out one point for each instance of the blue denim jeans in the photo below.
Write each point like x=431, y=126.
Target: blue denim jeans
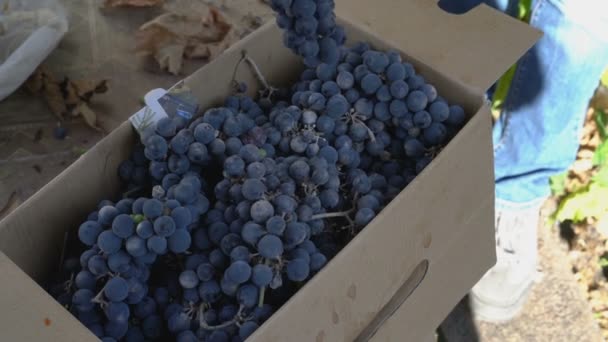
x=538, y=132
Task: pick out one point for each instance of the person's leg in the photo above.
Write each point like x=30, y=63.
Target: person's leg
x=538, y=131
x=536, y=137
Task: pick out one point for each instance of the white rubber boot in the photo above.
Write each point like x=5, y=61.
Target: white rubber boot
x=503, y=290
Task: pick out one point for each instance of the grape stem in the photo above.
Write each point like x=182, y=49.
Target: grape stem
x=345, y=214
x=309, y=189
x=256, y=70
x=356, y=117
x=204, y=325
x=69, y=283
x=267, y=262
x=236, y=68
x=330, y=215
x=371, y=134
x=434, y=151
x=279, y=264
x=99, y=298
x=261, y=299
x=191, y=310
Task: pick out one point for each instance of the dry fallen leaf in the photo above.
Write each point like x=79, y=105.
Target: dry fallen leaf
x=68, y=96
x=86, y=88
x=171, y=37
x=42, y=83
x=87, y=114
x=78, y=91
x=169, y=57
x=132, y=3
x=54, y=98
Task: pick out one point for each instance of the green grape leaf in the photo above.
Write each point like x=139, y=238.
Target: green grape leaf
x=589, y=201
x=600, y=121
x=604, y=79
x=600, y=156
x=558, y=184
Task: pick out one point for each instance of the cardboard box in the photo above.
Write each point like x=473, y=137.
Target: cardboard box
x=399, y=278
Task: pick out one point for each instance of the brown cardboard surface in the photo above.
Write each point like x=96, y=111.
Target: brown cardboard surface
x=40, y=223
x=475, y=48
x=457, y=239
x=30, y=314
x=456, y=258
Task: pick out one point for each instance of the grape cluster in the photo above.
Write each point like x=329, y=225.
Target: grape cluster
x=310, y=29
x=225, y=216
x=373, y=119
x=124, y=240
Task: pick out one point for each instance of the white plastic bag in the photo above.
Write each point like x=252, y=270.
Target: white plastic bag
x=29, y=31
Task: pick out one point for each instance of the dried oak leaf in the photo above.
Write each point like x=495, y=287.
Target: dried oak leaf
x=172, y=36
x=87, y=114
x=42, y=83
x=169, y=57
x=68, y=96
x=77, y=91
x=87, y=88
x=132, y=3
x=77, y=95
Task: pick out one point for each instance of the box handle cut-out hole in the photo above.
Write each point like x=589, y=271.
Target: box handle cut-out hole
x=395, y=302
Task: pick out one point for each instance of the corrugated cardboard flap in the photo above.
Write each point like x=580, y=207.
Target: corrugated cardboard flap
x=30, y=314
x=474, y=48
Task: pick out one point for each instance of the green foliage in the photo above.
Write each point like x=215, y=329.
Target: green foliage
x=600, y=156
x=600, y=121
x=601, y=177
x=558, y=184
x=590, y=201
x=587, y=202
x=525, y=10
x=604, y=79
x=502, y=88
x=603, y=262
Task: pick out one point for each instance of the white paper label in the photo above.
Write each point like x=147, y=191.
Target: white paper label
x=160, y=103
x=151, y=113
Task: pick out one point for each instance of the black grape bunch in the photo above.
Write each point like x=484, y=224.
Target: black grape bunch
x=310, y=29
x=124, y=240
